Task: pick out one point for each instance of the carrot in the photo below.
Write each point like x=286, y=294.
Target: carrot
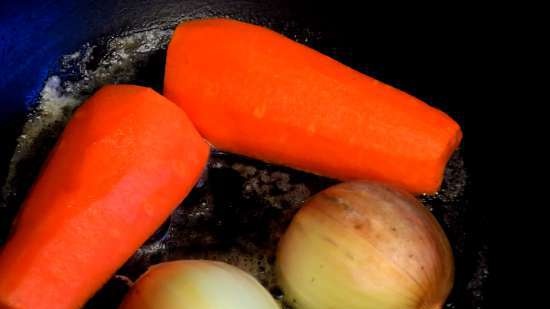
x=254, y=92
x=126, y=159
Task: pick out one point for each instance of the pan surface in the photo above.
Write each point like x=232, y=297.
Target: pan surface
x=56, y=53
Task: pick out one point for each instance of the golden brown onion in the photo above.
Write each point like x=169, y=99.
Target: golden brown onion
x=364, y=246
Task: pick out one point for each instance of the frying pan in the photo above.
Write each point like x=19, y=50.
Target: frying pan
x=241, y=206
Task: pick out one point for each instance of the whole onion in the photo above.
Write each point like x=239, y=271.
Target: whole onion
x=197, y=284
x=364, y=246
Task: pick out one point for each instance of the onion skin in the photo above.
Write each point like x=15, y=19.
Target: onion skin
x=197, y=284
x=364, y=246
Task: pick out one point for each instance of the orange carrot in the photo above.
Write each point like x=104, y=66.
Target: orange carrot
x=126, y=159
x=252, y=91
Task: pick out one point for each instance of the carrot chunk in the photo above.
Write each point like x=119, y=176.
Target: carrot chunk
x=251, y=91
x=125, y=160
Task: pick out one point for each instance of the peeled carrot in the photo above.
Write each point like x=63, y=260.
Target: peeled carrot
x=126, y=159
x=254, y=92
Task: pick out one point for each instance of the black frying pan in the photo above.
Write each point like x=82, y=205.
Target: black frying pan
x=241, y=206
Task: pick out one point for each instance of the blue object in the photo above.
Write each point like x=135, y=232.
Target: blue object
x=33, y=36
